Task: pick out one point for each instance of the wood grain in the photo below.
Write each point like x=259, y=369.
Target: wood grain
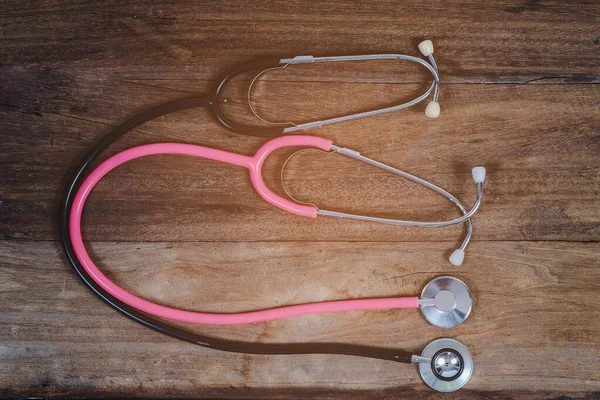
x=53, y=344
x=539, y=143
x=491, y=42
x=519, y=95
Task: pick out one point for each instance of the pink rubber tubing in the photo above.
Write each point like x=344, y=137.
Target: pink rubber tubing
x=254, y=165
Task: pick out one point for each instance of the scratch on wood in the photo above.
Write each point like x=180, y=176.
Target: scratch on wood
x=368, y=285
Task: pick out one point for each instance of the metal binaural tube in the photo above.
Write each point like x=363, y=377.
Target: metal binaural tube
x=434, y=88
x=421, y=224
x=457, y=256
x=465, y=217
x=436, y=91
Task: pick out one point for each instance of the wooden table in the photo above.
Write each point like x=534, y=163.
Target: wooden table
x=520, y=95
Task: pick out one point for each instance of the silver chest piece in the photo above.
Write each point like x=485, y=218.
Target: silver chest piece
x=445, y=302
x=450, y=366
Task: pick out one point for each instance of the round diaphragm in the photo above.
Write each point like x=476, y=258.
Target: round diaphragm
x=446, y=302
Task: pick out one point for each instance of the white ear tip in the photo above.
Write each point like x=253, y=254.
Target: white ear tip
x=433, y=109
x=426, y=47
x=479, y=174
x=457, y=257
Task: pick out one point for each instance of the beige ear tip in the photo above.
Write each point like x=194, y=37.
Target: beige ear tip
x=433, y=109
x=478, y=174
x=457, y=257
x=426, y=47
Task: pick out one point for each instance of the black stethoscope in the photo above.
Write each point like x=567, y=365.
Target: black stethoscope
x=445, y=364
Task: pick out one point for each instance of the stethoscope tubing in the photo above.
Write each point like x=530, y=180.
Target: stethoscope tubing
x=204, y=341
x=251, y=163
x=210, y=101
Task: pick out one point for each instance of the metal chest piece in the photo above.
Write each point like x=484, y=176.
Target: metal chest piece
x=450, y=366
x=446, y=302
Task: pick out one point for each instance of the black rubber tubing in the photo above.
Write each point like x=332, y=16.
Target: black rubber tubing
x=213, y=343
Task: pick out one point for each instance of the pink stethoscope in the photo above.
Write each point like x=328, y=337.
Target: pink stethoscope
x=445, y=301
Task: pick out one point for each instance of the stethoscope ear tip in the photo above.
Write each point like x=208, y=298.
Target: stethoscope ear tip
x=457, y=257
x=478, y=174
x=426, y=47
x=449, y=365
x=433, y=109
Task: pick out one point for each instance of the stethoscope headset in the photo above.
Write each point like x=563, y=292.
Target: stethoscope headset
x=445, y=364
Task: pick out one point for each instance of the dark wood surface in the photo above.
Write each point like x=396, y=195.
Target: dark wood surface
x=519, y=95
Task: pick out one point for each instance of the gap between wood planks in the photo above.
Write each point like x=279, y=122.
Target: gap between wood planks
x=8, y=238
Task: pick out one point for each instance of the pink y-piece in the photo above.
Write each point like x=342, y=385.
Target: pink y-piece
x=254, y=165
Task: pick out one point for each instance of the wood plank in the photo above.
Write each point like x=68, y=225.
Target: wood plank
x=475, y=42
x=539, y=143
x=518, y=96
x=534, y=323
